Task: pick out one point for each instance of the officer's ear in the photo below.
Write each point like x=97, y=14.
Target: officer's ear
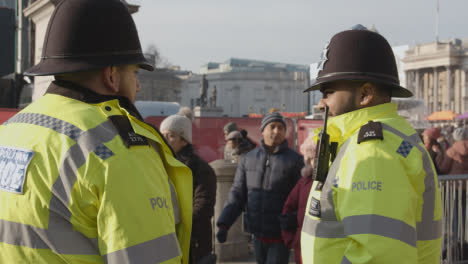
x=111, y=79
x=367, y=94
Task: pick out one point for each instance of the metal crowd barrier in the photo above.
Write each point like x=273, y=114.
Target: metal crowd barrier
x=454, y=219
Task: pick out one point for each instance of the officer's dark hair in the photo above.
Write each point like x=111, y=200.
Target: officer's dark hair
x=84, y=75
x=77, y=76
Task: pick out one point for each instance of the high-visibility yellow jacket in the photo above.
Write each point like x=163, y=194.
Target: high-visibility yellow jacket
x=381, y=202
x=82, y=180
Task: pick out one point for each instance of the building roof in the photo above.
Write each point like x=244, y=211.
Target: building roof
x=249, y=65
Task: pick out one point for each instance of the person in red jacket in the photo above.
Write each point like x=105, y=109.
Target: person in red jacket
x=294, y=208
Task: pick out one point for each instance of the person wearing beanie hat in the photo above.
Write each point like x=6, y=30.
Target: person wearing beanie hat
x=234, y=135
x=272, y=117
x=228, y=128
x=232, y=142
x=177, y=130
x=237, y=145
x=358, y=76
x=273, y=129
x=186, y=111
x=264, y=178
x=460, y=133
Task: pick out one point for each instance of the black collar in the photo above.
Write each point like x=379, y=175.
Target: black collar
x=83, y=94
x=80, y=93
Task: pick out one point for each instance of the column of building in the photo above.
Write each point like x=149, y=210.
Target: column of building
x=464, y=93
x=447, y=89
x=435, y=91
x=457, y=91
x=417, y=89
x=426, y=90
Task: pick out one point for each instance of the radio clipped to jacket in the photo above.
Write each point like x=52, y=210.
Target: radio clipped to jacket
x=324, y=152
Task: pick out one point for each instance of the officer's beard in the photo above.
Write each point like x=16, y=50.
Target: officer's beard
x=350, y=105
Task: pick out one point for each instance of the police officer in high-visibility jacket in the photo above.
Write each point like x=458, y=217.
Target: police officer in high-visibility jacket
x=380, y=202
x=83, y=179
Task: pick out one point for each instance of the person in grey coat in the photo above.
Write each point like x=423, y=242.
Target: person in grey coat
x=263, y=180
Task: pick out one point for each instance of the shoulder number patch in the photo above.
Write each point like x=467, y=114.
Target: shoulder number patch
x=371, y=130
x=13, y=166
x=314, y=207
x=126, y=132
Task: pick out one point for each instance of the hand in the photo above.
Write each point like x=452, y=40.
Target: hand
x=437, y=148
x=221, y=235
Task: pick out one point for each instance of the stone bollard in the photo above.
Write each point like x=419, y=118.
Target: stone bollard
x=236, y=246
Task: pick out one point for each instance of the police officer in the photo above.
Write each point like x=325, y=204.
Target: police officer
x=380, y=202
x=83, y=179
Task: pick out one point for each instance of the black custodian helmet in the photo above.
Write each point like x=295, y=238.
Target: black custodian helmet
x=86, y=35
x=361, y=55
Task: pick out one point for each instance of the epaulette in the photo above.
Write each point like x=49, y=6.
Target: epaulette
x=369, y=131
x=126, y=132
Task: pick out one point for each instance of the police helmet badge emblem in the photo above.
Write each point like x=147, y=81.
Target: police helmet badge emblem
x=323, y=57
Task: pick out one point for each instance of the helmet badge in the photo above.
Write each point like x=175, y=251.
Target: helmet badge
x=323, y=57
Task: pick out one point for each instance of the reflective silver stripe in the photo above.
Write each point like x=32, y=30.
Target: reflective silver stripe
x=328, y=226
x=55, y=124
x=62, y=240
x=360, y=225
x=76, y=156
x=60, y=236
x=428, y=229
x=175, y=204
x=381, y=226
x=154, y=251
x=327, y=207
x=345, y=260
x=59, y=214
x=323, y=229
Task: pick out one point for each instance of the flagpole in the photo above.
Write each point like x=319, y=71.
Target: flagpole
x=437, y=21
x=19, y=36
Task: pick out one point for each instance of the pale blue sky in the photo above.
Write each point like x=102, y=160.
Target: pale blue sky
x=192, y=33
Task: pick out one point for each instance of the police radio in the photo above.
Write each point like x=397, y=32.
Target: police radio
x=324, y=153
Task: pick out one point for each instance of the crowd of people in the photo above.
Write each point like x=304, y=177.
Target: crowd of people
x=448, y=147
x=84, y=179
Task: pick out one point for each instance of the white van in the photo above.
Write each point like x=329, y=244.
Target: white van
x=157, y=108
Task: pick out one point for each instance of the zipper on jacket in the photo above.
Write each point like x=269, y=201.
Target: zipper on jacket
x=267, y=172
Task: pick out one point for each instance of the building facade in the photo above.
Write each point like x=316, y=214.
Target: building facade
x=437, y=73
x=161, y=85
x=241, y=86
